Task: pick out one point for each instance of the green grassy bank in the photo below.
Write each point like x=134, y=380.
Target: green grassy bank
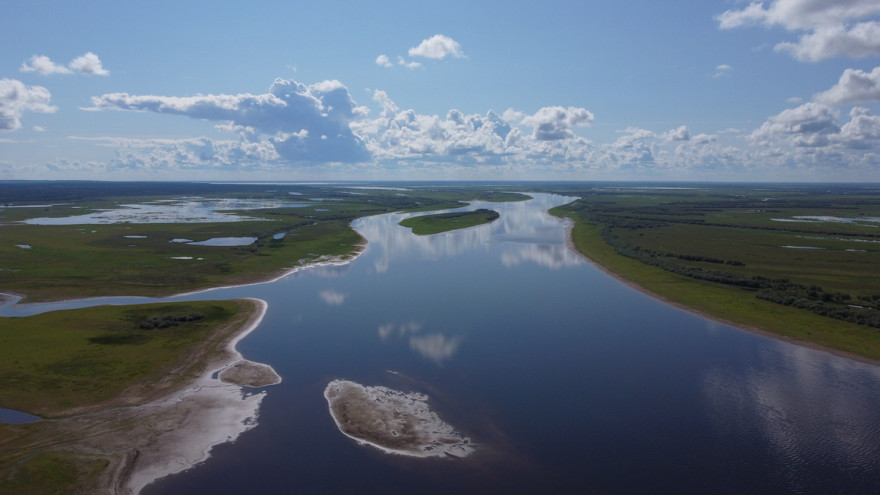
x=735, y=305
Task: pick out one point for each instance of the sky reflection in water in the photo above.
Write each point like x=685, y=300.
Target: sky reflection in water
x=194, y=210
x=568, y=380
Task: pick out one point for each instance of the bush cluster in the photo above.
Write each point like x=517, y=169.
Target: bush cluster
x=813, y=298
x=169, y=320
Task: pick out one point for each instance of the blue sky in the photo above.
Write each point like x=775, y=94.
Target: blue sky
x=726, y=90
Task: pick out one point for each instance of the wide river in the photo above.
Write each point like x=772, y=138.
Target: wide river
x=565, y=379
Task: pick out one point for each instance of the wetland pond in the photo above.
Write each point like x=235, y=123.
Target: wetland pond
x=563, y=379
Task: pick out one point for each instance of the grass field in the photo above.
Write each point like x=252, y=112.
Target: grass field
x=736, y=254
x=61, y=361
x=444, y=222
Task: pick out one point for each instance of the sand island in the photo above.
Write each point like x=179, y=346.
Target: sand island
x=393, y=421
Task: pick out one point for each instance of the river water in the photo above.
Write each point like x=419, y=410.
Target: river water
x=566, y=380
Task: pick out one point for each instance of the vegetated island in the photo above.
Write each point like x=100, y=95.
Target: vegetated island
x=444, y=222
x=393, y=421
x=130, y=393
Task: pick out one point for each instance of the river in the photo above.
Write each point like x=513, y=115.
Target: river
x=564, y=379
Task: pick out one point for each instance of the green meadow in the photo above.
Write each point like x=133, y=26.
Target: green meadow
x=748, y=255
x=74, y=360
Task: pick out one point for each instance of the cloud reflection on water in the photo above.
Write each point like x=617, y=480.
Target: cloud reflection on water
x=530, y=235
x=184, y=210
x=814, y=418
x=436, y=346
x=332, y=297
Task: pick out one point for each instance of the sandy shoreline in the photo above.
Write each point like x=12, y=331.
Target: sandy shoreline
x=148, y=441
x=746, y=328
x=392, y=421
x=189, y=422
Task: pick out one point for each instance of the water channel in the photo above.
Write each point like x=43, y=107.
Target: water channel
x=565, y=379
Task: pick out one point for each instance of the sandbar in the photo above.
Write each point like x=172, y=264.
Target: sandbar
x=393, y=421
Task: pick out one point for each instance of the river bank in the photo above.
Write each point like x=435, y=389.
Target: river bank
x=667, y=298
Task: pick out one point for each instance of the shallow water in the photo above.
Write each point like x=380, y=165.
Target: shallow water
x=16, y=417
x=177, y=211
x=566, y=380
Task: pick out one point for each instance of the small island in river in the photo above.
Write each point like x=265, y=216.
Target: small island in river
x=444, y=222
x=395, y=422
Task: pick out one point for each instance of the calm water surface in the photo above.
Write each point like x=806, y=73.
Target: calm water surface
x=567, y=380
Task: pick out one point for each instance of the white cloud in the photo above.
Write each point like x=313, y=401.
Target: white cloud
x=84, y=64
x=409, y=64
x=552, y=123
x=324, y=110
x=288, y=125
x=862, y=131
x=816, y=124
x=799, y=14
x=853, y=86
x=437, y=47
x=678, y=134
x=825, y=42
x=41, y=64
x=722, y=70
x=183, y=154
x=88, y=64
x=384, y=61
x=810, y=124
x=829, y=29
x=16, y=98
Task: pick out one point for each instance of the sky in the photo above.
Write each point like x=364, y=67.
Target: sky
x=679, y=90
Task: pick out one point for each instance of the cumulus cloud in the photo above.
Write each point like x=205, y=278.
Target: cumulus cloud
x=862, y=131
x=827, y=29
x=186, y=154
x=853, y=86
x=84, y=64
x=409, y=64
x=680, y=133
x=810, y=124
x=405, y=134
x=437, y=47
x=552, y=123
x=384, y=61
x=292, y=122
x=88, y=64
x=17, y=98
x=305, y=123
x=816, y=124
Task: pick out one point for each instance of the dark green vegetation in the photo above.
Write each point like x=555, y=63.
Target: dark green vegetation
x=444, y=222
x=76, y=261
x=62, y=361
x=735, y=253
